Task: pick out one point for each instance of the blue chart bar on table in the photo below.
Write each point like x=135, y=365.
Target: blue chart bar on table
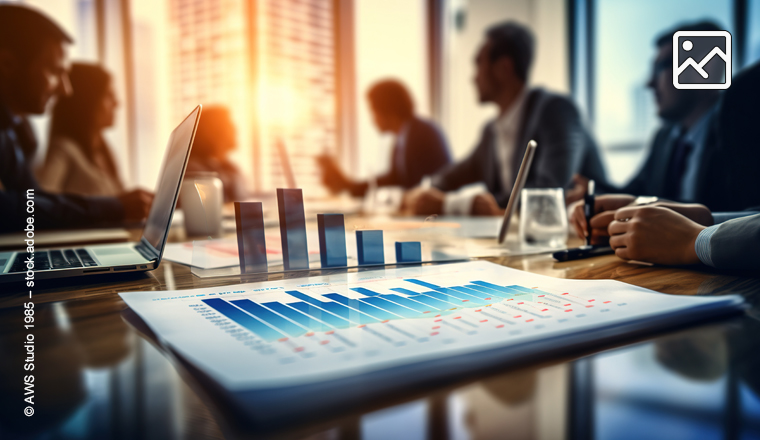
x=274, y=320
x=408, y=252
x=295, y=253
x=369, y=247
x=332, y=240
x=252, y=248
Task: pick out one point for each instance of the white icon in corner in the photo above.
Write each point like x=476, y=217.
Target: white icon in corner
x=702, y=60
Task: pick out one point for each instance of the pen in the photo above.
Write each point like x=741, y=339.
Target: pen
x=582, y=252
x=588, y=209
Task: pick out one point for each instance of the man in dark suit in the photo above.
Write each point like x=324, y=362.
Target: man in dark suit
x=564, y=146
x=684, y=162
x=32, y=71
x=420, y=148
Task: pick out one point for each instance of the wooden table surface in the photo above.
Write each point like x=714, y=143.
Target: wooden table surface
x=97, y=376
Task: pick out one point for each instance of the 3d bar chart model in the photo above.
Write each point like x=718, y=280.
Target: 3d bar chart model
x=292, y=229
x=332, y=240
x=369, y=246
x=408, y=252
x=252, y=249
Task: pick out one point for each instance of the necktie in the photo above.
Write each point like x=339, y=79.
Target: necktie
x=677, y=167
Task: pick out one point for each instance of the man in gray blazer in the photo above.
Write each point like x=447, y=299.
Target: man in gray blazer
x=564, y=146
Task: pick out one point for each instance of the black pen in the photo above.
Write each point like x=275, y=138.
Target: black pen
x=582, y=252
x=588, y=209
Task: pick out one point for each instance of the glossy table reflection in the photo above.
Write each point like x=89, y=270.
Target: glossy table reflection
x=100, y=377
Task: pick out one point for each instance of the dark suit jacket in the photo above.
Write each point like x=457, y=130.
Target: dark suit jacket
x=735, y=244
x=564, y=148
x=50, y=210
x=425, y=151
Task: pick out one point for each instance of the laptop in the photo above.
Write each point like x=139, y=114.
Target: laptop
x=124, y=257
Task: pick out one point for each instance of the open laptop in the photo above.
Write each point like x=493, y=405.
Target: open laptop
x=125, y=257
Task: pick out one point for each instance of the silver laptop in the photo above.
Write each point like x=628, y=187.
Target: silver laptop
x=125, y=257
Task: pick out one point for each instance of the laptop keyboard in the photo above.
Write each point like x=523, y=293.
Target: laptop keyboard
x=58, y=259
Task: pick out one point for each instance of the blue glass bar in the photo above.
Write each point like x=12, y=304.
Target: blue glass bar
x=391, y=307
x=329, y=318
x=333, y=307
x=270, y=317
x=252, y=248
x=295, y=315
x=364, y=291
x=295, y=253
x=369, y=247
x=361, y=306
x=244, y=319
x=409, y=304
x=408, y=252
x=332, y=240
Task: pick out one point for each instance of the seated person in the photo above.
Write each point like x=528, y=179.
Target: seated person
x=420, y=148
x=673, y=233
x=564, y=146
x=78, y=160
x=684, y=162
x=214, y=140
x=33, y=69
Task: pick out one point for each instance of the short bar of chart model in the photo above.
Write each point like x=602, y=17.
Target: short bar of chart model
x=295, y=253
x=252, y=248
x=332, y=240
x=288, y=332
x=408, y=252
x=369, y=247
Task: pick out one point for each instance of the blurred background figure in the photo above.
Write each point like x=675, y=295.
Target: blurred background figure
x=214, y=140
x=78, y=159
x=420, y=148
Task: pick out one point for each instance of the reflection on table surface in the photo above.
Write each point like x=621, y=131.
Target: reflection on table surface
x=97, y=376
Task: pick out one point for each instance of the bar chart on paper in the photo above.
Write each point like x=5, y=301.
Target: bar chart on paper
x=304, y=330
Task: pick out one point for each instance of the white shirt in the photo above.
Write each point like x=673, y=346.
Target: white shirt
x=506, y=128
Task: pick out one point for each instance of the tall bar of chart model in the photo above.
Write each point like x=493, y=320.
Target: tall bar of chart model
x=332, y=240
x=249, y=222
x=369, y=247
x=408, y=252
x=295, y=253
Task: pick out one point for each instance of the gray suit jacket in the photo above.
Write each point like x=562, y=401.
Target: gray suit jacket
x=564, y=148
x=736, y=243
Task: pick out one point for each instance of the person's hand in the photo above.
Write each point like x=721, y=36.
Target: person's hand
x=654, y=234
x=580, y=186
x=424, y=201
x=332, y=176
x=136, y=204
x=485, y=204
x=604, y=212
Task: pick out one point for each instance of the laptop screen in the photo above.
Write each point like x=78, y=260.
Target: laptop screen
x=169, y=181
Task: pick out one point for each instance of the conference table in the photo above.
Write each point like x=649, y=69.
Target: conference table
x=100, y=374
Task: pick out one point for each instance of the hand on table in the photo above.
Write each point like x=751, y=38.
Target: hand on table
x=136, y=204
x=654, y=234
x=604, y=212
x=423, y=201
x=485, y=204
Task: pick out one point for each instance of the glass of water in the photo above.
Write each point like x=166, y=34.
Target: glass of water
x=543, y=218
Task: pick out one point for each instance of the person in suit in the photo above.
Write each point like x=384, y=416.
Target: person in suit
x=684, y=162
x=553, y=121
x=33, y=69
x=420, y=148
x=215, y=138
x=78, y=160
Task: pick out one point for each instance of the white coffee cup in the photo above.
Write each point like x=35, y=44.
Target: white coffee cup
x=201, y=198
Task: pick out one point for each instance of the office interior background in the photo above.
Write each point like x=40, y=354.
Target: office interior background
x=297, y=71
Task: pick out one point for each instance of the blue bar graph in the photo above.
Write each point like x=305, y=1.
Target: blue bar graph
x=369, y=247
x=408, y=252
x=252, y=248
x=244, y=319
x=332, y=240
x=295, y=253
x=279, y=319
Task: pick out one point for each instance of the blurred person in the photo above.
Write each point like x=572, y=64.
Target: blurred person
x=684, y=162
x=420, y=148
x=503, y=65
x=78, y=160
x=33, y=70
x=214, y=140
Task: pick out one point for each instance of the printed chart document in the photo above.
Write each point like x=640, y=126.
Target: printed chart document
x=297, y=332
